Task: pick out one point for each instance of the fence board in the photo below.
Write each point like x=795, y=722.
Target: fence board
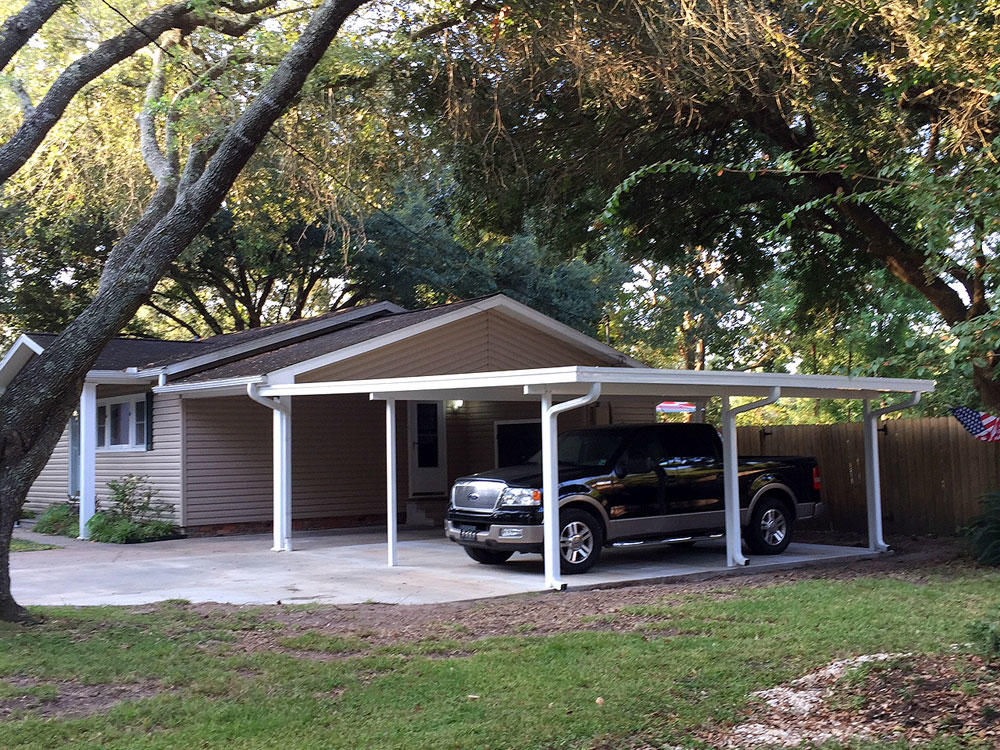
x=933, y=472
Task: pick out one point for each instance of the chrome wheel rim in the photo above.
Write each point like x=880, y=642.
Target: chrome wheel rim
x=773, y=527
x=576, y=542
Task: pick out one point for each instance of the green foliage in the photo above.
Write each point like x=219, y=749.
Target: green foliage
x=134, y=515
x=985, y=635
x=984, y=530
x=62, y=519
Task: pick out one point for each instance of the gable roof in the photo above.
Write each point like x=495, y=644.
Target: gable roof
x=289, y=348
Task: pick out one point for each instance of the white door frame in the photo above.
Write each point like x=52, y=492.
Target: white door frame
x=427, y=480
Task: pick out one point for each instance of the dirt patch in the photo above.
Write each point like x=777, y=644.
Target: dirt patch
x=69, y=699
x=572, y=611
x=876, y=697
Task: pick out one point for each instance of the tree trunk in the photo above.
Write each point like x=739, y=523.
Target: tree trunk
x=37, y=404
x=987, y=386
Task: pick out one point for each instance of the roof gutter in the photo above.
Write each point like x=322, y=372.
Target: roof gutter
x=209, y=385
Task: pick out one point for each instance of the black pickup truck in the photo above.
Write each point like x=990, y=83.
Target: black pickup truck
x=631, y=484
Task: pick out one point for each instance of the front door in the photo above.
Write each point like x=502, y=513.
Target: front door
x=428, y=465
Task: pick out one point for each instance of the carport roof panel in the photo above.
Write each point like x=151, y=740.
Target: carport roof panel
x=615, y=381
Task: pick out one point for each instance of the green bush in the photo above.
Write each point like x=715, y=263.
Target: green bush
x=26, y=513
x=134, y=515
x=62, y=519
x=985, y=636
x=984, y=530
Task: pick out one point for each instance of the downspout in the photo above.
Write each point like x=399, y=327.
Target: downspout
x=550, y=479
x=730, y=473
x=282, y=465
x=873, y=479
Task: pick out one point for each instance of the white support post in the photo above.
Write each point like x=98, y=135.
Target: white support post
x=730, y=473
x=88, y=456
x=873, y=479
x=550, y=495
x=390, y=478
x=550, y=480
x=281, y=463
x=283, y=475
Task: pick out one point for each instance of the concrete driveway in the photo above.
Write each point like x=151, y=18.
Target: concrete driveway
x=339, y=568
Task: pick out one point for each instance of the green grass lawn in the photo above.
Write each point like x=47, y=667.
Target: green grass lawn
x=676, y=667
x=24, y=545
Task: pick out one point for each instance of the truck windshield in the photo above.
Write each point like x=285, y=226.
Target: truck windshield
x=588, y=448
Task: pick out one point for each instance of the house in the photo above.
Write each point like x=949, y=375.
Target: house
x=182, y=415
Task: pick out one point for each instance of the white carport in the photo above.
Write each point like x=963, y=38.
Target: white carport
x=560, y=389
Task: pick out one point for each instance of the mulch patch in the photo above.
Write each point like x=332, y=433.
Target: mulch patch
x=886, y=697
x=72, y=699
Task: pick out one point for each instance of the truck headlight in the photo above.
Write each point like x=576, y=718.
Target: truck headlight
x=520, y=497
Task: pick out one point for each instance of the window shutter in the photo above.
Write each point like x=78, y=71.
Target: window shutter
x=149, y=421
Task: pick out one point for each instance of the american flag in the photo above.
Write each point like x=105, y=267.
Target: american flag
x=983, y=426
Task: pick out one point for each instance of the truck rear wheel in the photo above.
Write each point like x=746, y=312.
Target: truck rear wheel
x=487, y=556
x=770, y=527
x=580, y=540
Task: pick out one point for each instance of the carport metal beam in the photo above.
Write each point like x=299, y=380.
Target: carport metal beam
x=550, y=383
x=281, y=463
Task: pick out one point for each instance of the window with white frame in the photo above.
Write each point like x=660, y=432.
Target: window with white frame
x=122, y=423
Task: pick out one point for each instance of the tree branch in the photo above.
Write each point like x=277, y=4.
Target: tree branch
x=16, y=151
x=19, y=28
x=23, y=97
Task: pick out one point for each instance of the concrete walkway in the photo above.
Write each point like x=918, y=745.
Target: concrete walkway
x=340, y=568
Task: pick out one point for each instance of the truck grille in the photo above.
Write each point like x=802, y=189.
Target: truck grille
x=481, y=496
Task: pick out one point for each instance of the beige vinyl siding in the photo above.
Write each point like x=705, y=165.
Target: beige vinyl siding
x=52, y=484
x=161, y=465
x=338, y=459
x=480, y=343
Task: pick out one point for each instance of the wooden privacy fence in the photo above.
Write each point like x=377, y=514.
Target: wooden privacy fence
x=933, y=471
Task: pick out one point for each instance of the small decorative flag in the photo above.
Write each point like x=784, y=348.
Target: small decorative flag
x=982, y=426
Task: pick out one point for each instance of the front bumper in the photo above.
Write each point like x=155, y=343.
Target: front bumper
x=505, y=536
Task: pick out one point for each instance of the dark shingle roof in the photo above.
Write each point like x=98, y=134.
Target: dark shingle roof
x=121, y=353
x=323, y=344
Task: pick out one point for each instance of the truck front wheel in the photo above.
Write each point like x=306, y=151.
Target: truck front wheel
x=770, y=527
x=580, y=540
x=487, y=556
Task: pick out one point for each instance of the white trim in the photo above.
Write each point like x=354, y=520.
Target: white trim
x=132, y=446
x=620, y=381
x=302, y=330
x=19, y=354
x=496, y=435
x=112, y=377
x=211, y=385
x=515, y=309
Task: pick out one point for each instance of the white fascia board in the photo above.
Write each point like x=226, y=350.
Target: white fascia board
x=756, y=379
x=109, y=377
x=616, y=381
x=20, y=352
x=509, y=306
x=268, y=342
x=210, y=387
x=426, y=383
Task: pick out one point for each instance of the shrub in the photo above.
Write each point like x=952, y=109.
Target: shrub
x=134, y=515
x=985, y=635
x=984, y=530
x=62, y=518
